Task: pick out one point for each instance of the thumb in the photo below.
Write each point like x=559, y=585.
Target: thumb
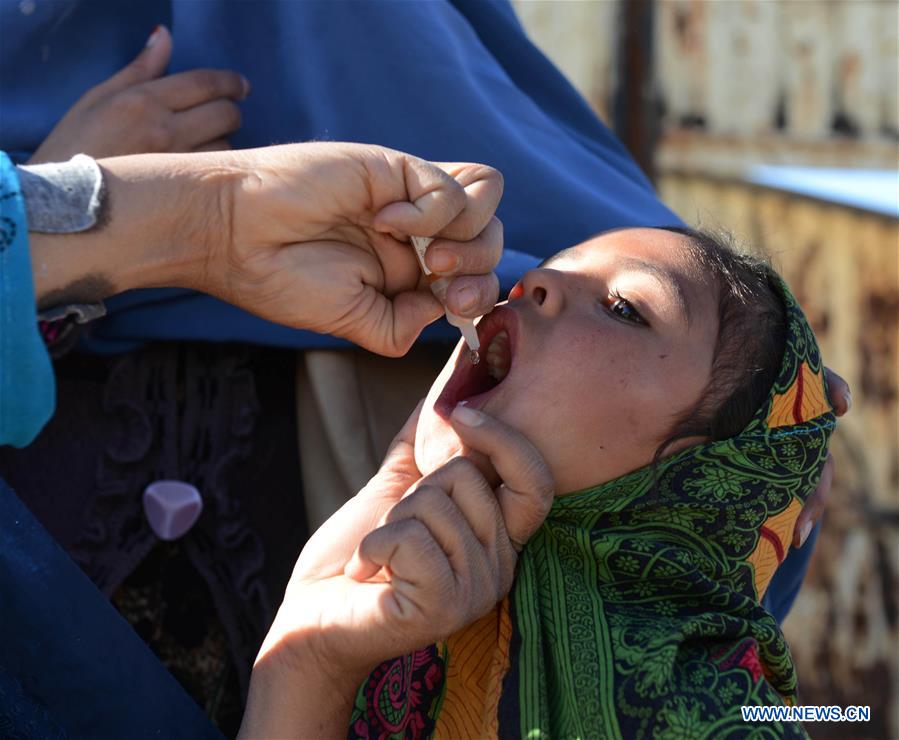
x=148, y=65
x=412, y=312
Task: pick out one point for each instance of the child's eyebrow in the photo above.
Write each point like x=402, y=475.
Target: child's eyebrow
x=666, y=279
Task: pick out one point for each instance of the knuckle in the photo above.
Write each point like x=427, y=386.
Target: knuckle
x=159, y=137
x=491, y=581
x=92, y=96
x=393, y=347
x=131, y=104
x=426, y=497
x=444, y=588
x=504, y=580
x=232, y=116
x=206, y=82
x=500, y=180
x=494, y=175
x=471, y=226
x=461, y=468
x=542, y=480
x=455, y=194
x=493, y=287
x=370, y=545
x=494, y=234
x=542, y=509
x=539, y=479
x=458, y=613
x=416, y=533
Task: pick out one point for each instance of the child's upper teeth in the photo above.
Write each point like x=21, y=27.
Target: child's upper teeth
x=498, y=356
x=498, y=340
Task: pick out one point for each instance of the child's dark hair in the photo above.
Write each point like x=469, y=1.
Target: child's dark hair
x=752, y=328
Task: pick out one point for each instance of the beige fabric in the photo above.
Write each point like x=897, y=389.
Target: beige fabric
x=350, y=404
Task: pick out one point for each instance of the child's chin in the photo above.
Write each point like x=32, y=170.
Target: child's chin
x=435, y=442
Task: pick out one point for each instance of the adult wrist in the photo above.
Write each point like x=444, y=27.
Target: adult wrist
x=172, y=210
x=313, y=650
x=295, y=691
x=155, y=217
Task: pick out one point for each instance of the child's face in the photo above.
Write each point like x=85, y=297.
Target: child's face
x=608, y=344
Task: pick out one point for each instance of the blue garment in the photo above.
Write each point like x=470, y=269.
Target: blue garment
x=27, y=390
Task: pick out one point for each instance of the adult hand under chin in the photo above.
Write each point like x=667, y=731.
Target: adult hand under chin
x=502, y=455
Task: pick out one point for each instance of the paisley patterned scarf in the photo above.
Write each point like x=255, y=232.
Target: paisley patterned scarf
x=635, y=610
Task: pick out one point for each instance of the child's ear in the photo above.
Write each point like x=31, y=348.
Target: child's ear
x=681, y=444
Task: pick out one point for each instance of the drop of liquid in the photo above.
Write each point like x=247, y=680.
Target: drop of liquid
x=474, y=357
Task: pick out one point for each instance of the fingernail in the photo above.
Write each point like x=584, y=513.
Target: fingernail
x=804, y=532
x=154, y=37
x=468, y=417
x=246, y=87
x=467, y=298
x=442, y=260
x=848, y=401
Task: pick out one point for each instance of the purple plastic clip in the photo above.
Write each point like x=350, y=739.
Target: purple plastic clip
x=172, y=507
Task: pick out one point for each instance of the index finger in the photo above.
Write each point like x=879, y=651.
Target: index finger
x=433, y=200
x=526, y=494
x=188, y=89
x=483, y=186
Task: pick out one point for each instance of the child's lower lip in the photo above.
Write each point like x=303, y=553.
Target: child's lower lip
x=444, y=408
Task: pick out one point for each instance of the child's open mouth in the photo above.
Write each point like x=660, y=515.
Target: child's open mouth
x=474, y=384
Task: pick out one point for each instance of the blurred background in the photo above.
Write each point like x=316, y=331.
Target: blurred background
x=779, y=120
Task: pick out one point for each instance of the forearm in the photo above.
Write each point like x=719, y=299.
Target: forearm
x=156, y=225
x=298, y=697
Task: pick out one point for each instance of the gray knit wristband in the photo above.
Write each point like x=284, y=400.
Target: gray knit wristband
x=63, y=197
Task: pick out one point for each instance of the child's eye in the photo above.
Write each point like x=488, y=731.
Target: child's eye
x=624, y=310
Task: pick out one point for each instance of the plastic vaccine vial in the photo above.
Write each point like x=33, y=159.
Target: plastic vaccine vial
x=439, y=287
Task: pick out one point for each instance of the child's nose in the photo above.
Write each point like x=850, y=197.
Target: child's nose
x=543, y=287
